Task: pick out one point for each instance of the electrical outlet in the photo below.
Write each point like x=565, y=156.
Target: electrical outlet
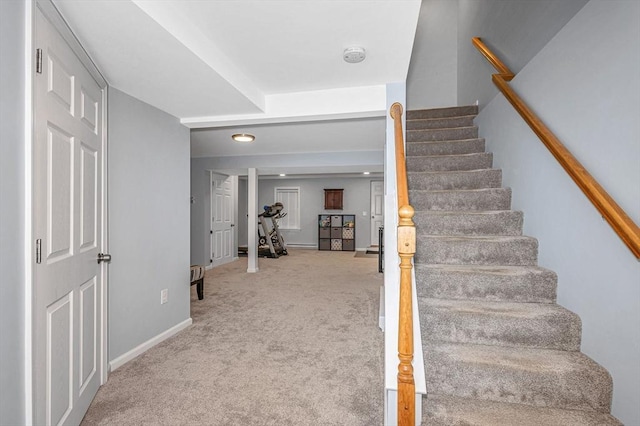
x=164, y=296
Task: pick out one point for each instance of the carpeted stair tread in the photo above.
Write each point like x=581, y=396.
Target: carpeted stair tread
x=476, y=250
x=531, y=325
x=443, y=410
x=526, y=284
x=465, y=179
x=463, y=146
x=440, y=123
x=442, y=112
x=426, y=163
x=540, y=377
x=425, y=135
x=461, y=199
x=501, y=222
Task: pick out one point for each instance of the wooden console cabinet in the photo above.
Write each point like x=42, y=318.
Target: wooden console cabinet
x=333, y=199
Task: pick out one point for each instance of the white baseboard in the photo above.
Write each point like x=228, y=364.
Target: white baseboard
x=302, y=246
x=140, y=349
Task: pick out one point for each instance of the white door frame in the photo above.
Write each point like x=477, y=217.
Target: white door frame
x=51, y=13
x=234, y=215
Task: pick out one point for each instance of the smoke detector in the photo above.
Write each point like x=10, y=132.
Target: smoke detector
x=353, y=55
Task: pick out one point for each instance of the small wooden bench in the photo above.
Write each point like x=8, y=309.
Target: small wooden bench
x=197, y=278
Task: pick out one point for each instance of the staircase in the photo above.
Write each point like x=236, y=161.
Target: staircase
x=498, y=350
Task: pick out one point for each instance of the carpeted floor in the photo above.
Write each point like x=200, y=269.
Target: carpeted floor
x=363, y=254
x=295, y=344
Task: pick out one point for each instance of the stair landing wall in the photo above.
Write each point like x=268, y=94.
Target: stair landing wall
x=595, y=115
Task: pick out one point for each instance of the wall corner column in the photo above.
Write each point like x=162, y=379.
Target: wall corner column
x=252, y=224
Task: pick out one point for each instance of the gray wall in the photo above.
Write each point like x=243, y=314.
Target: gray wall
x=446, y=69
x=12, y=213
x=238, y=165
x=149, y=222
x=356, y=199
x=243, y=211
x=515, y=30
x=200, y=212
x=585, y=84
x=432, y=80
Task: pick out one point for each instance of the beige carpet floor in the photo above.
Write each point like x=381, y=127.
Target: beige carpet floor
x=295, y=344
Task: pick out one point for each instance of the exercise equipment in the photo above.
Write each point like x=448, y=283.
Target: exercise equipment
x=270, y=241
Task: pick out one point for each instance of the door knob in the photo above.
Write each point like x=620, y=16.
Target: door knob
x=103, y=257
x=232, y=225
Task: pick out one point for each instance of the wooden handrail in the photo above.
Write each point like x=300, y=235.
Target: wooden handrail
x=406, y=250
x=621, y=223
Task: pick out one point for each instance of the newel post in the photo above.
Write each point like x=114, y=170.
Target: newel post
x=406, y=384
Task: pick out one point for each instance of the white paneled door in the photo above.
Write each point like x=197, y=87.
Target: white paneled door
x=377, y=209
x=222, y=217
x=67, y=205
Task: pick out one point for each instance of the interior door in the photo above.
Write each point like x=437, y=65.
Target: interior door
x=377, y=209
x=222, y=241
x=67, y=206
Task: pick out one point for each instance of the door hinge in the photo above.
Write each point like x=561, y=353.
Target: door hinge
x=210, y=260
x=39, y=61
x=211, y=231
x=38, y=251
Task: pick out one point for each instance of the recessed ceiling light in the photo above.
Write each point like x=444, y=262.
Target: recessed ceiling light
x=353, y=55
x=365, y=173
x=243, y=137
x=282, y=174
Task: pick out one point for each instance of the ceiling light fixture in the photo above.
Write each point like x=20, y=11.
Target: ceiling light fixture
x=365, y=173
x=282, y=174
x=353, y=55
x=243, y=137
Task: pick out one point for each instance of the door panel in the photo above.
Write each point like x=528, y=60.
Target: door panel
x=377, y=209
x=88, y=197
x=67, y=202
x=59, y=193
x=222, y=242
x=88, y=333
x=60, y=359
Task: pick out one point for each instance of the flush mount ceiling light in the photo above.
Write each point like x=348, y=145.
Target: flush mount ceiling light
x=353, y=55
x=365, y=173
x=282, y=174
x=243, y=137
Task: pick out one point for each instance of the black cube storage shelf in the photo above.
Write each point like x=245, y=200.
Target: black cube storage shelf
x=337, y=232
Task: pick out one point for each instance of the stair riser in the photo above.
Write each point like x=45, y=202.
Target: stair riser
x=442, y=112
x=531, y=286
x=484, y=199
x=469, y=251
x=450, y=162
x=440, y=123
x=438, y=410
x=474, y=179
x=580, y=386
x=504, y=324
x=455, y=133
x=458, y=223
x=468, y=146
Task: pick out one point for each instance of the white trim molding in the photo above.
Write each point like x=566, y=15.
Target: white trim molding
x=145, y=346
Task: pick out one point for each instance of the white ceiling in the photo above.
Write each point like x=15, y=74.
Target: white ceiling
x=273, y=139
x=248, y=63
